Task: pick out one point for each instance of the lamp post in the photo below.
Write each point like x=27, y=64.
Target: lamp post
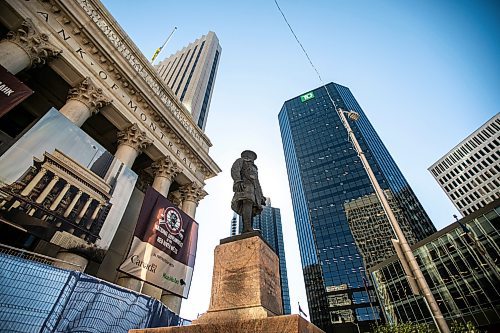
x=405, y=255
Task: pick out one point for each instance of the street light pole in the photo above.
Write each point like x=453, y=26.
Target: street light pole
x=407, y=254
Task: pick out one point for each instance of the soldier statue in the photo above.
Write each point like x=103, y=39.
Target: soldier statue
x=248, y=199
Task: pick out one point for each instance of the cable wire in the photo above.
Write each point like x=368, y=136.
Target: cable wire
x=309, y=59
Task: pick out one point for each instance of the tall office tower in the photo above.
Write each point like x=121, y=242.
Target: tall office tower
x=469, y=173
x=190, y=73
x=331, y=192
x=234, y=225
x=269, y=224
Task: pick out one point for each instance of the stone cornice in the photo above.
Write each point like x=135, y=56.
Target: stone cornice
x=35, y=44
x=133, y=136
x=87, y=93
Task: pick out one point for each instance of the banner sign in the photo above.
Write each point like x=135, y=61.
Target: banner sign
x=163, y=249
x=12, y=91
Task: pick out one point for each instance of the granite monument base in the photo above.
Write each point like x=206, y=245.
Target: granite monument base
x=276, y=324
x=246, y=293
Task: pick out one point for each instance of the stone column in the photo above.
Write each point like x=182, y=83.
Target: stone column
x=84, y=101
x=72, y=204
x=191, y=194
x=26, y=47
x=60, y=196
x=47, y=190
x=84, y=210
x=94, y=215
x=131, y=142
x=164, y=171
x=34, y=182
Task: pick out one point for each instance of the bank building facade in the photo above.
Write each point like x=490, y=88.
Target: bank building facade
x=100, y=127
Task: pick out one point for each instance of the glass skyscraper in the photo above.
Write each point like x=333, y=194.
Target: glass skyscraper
x=269, y=224
x=340, y=224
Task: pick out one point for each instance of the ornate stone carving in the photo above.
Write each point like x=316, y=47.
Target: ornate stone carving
x=192, y=192
x=175, y=198
x=87, y=93
x=165, y=167
x=35, y=44
x=133, y=136
x=144, y=181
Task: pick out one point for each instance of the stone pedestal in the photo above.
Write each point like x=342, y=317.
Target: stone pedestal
x=246, y=293
x=277, y=324
x=245, y=282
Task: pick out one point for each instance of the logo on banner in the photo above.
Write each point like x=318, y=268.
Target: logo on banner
x=163, y=249
x=171, y=218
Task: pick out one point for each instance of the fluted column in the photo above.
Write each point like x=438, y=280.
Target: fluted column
x=84, y=101
x=25, y=47
x=47, y=190
x=60, y=196
x=164, y=170
x=34, y=182
x=191, y=194
x=72, y=204
x=131, y=142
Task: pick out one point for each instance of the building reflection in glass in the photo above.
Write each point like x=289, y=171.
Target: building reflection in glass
x=461, y=266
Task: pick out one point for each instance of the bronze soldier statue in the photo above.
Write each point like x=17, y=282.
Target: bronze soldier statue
x=248, y=198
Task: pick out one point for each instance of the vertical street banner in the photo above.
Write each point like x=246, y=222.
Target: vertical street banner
x=163, y=250
x=12, y=91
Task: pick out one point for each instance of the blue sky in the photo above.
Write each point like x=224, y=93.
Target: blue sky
x=426, y=73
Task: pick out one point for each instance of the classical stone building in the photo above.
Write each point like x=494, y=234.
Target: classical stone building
x=78, y=60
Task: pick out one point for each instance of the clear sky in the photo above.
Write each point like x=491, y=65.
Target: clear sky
x=426, y=73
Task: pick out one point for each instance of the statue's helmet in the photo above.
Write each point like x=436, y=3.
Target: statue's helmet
x=248, y=154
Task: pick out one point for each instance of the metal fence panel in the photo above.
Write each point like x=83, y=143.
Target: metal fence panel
x=35, y=297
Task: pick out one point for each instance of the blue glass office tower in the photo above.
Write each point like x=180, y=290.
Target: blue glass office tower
x=269, y=224
x=340, y=224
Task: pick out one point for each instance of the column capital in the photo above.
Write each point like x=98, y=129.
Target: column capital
x=133, y=136
x=165, y=167
x=175, y=198
x=87, y=93
x=192, y=192
x=34, y=43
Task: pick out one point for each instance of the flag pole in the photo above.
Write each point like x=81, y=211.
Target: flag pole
x=158, y=50
x=301, y=311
